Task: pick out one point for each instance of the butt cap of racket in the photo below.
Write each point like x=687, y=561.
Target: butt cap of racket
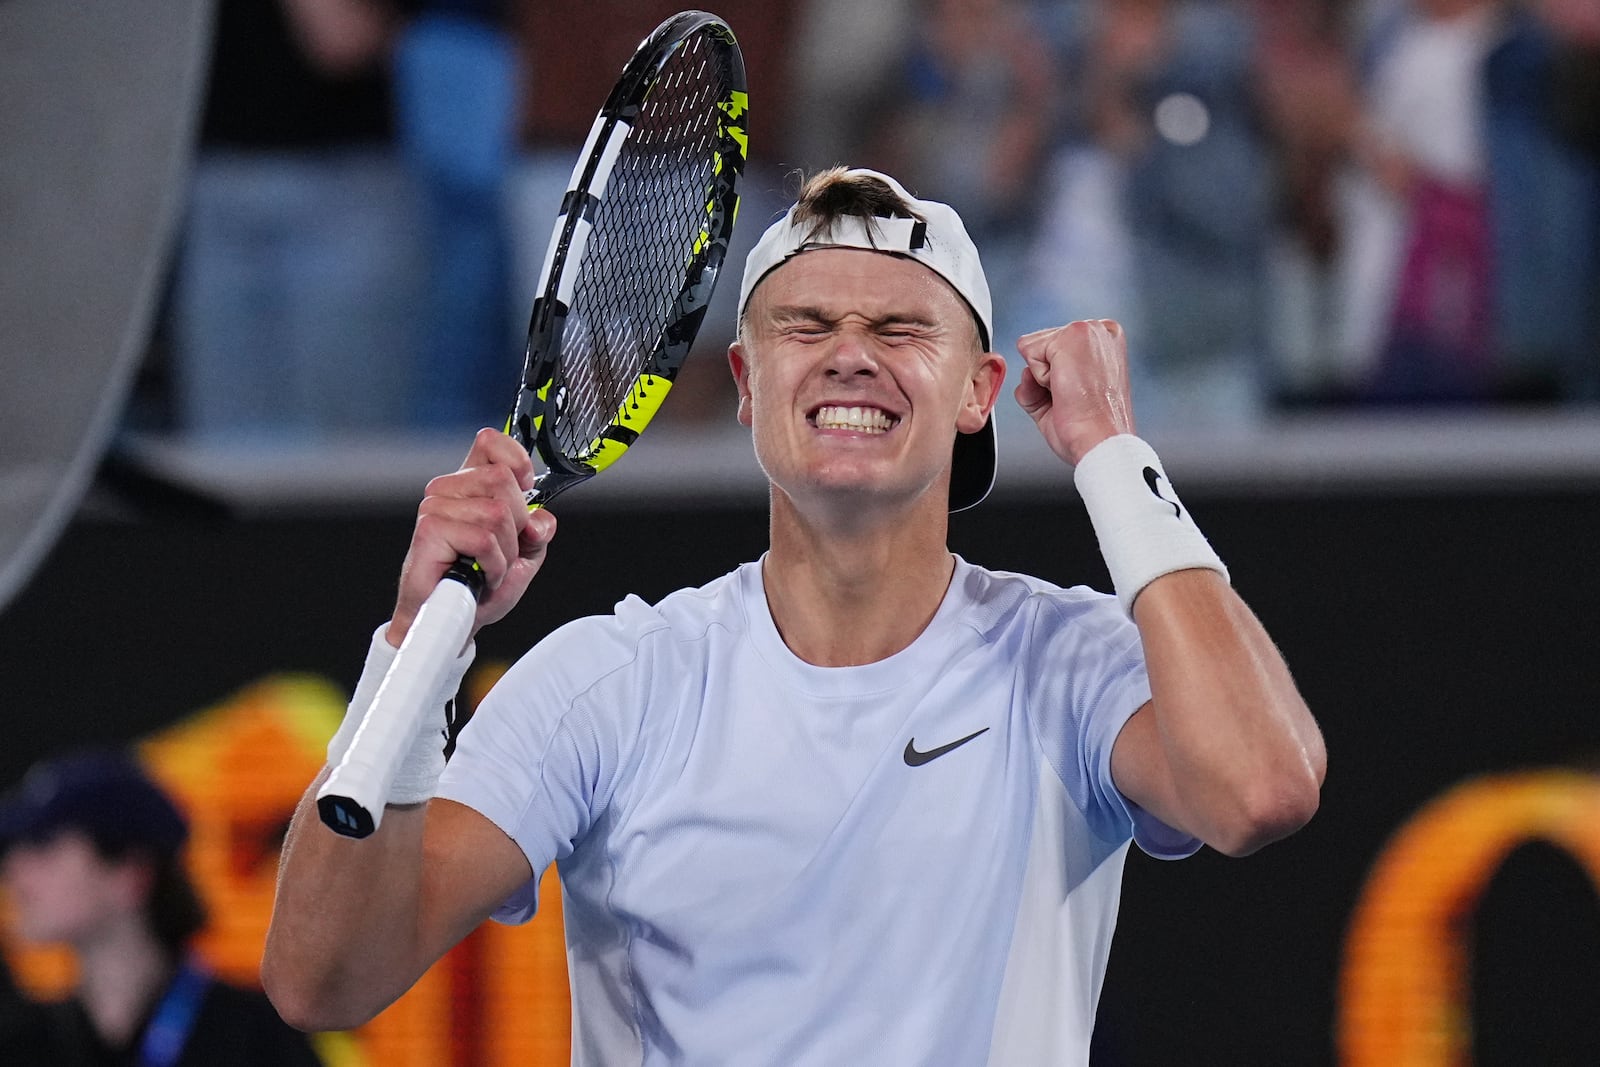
x=344, y=816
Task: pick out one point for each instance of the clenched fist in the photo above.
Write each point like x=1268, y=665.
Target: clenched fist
x=1075, y=385
x=477, y=511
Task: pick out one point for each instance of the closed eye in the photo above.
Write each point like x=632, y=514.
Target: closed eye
x=808, y=331
x=905, y=335
x=904, y=327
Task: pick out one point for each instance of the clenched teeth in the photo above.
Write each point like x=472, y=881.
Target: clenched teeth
x=862, y=420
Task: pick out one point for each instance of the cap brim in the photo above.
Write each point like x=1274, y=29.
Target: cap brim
x=972, y=467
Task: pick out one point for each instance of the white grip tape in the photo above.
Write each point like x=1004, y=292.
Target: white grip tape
x=1144, y=530
x=426, y=663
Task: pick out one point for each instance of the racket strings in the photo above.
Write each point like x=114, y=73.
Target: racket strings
x=639, y=254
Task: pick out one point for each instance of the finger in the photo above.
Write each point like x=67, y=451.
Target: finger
x=488, y=497
x=493, y=481
x=491, y=447
x=503, y=519
x=539, y=530
x=1032, y=346
x=435, y=544
x=536, y=537
x=1036, y=361
x=478, y=529
x=1030, y=392
x=1038, y=338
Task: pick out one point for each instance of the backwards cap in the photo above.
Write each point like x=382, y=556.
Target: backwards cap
x=937, y=239
x=104, y=794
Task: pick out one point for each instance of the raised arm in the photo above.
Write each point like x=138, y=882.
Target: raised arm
x=1226, y=749
x=356, y=922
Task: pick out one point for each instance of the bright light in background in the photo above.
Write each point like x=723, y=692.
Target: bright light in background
x=1183, y=119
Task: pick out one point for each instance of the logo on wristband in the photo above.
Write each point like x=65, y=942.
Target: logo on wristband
x=1151, y=477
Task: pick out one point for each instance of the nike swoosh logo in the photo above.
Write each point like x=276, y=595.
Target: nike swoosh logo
x=917, y=759
x=1151, y=478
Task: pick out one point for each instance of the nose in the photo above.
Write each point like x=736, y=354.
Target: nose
x=850, y=354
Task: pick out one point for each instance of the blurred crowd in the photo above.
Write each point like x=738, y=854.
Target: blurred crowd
x=1286, y=202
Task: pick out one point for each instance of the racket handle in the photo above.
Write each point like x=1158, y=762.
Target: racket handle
x=351, y=800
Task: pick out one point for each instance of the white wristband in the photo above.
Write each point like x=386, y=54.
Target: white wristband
x=1143, y=528
x=419, y=773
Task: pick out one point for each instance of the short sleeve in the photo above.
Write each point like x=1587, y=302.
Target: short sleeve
x=541, y=755
x=1085, y=679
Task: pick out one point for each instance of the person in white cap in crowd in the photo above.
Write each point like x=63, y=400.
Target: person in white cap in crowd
x=91, y=859
x=859, y=801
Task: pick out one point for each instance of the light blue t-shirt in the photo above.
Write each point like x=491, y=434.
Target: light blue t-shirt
x=915, y=861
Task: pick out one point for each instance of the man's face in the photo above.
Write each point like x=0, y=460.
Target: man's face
x=63, y=891
x=855, y=370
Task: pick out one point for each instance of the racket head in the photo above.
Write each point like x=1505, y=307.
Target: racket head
x=636, y=251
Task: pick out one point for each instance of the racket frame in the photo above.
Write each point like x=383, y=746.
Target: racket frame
x=351, y=799
x=535, y=412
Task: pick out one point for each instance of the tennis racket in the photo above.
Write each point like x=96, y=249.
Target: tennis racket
x=635, y=253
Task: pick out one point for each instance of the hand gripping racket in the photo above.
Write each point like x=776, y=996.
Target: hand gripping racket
x=636, y=250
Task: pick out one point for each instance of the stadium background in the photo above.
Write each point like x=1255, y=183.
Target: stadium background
x=1428, y=575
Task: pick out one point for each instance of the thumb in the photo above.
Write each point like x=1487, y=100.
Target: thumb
x=540, y=530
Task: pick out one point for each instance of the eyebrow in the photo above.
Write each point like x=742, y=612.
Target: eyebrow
x=810, y=313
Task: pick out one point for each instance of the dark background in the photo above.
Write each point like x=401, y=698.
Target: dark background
x=1437, y=636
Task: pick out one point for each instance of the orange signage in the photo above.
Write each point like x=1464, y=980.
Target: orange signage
x=1405, y=983
x=499, y=999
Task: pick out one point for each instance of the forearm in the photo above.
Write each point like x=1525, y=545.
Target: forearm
x=343, y=942
x=1242, y=752
x=1225, y=750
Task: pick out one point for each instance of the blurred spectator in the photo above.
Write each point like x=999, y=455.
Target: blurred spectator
x=1080, y=263
x=1424, y=147
x=1268, y=198
x=969, y=124
x=297, y=284
x=457, y=77
x=91, y=857
x=839, y=77
x=1543, y=118
x=1306, y=85
x=1470, y=229
x=1163, y=129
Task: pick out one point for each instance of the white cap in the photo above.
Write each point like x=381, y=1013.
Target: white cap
x=938, y=240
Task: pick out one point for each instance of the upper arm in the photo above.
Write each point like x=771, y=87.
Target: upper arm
x=1227, y=749
x=469, y=868
x=1140, y=771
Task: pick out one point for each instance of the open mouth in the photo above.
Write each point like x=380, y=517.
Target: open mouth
x=868, y=420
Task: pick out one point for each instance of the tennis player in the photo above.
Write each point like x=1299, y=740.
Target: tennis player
x=859, y=801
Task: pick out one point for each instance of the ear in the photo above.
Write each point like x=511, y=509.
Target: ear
x=983, y=390
x=739, y=363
